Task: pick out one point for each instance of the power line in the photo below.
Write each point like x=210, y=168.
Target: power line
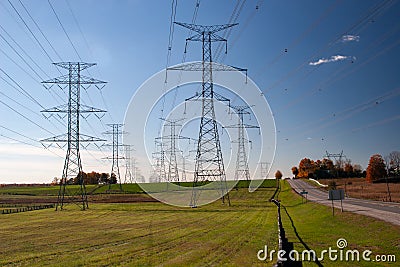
x=34, y=36
x=24, y=92
x=233, y=19
x=62, y=26
x=20, y=134
x=97, y=66
x=247, y=22
x=23, y=59
x=18, y=103
x=171, y=33
x=27, y=54
x=80, y=29
x=347, y=113
x=40, y=30
x=23, y=50
x=170, y=39
x=18, y=65
x=194, y=18
x=19, y=141
x=374, y=11
x=42, y=46
x=28, y=95
x=25, y=117
x=301, y=37
x=27, y=137
x=331, y=80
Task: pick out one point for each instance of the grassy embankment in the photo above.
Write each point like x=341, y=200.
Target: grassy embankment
x=312, y=226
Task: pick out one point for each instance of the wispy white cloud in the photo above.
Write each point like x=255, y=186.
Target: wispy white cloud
x=331, y=59
x=350, y=38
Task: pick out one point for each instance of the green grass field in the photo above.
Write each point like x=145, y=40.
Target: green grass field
x=142, y=234
x=152, y=233
x=98, y=189
x=312, y=226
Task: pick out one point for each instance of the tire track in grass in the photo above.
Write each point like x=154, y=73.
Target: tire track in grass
x=227, y=235
x=171, y=238
x=253, y=209
x=165, y=245
x=232, y=240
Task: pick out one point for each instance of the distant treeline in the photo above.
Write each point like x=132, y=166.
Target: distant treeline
x=90, y=178
x=24, y=185
x=326, y=168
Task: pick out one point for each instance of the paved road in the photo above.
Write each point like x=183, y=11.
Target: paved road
x=387, y=211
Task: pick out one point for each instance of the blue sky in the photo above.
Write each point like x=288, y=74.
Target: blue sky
x=328, y=69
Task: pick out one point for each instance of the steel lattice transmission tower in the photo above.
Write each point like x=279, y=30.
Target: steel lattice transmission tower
x=263, y=169
x=242, y=166
x=129, y=177
x=184, y=167
x=209, y=163
x=338, y=160
x=172, y=175
x=73, y=81
x=159, y=166
x=116, y=134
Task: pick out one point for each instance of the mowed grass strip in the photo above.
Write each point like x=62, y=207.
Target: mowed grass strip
x=143, y=234
x=319, y=230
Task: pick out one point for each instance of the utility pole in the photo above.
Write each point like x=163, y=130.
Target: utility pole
x=116, y=134
x=209, y=163
x=73, y=81
x=242, y=166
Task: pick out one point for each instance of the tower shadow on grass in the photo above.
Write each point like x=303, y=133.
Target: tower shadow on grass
x=299, y=237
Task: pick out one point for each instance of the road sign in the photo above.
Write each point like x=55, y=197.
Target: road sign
x=304, y=192
x=337, y=194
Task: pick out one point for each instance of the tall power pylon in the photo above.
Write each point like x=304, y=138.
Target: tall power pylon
x=116, y=134
x=338, y=159
x=184, y=179
x=242, y=166
x=159, y=166
x=129, y=177
x=263, y=169
x=209, y=163
x=73, y=81
x=173, y=174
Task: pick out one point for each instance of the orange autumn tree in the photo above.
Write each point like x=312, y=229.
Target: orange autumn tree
x=376, y=168
x=306, y=168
